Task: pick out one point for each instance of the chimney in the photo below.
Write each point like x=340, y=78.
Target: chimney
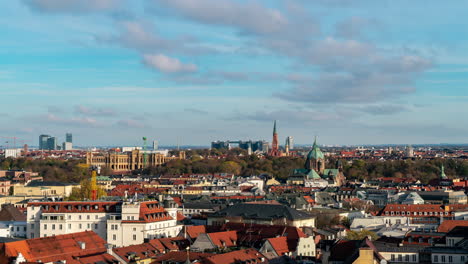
x=109, y=248
x=82, y=245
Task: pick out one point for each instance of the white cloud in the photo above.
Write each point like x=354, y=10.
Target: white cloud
x=250, y=17
x=73, y=6
x=167, y=64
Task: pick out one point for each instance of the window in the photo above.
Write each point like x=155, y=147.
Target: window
x=95, y=217
x=95, y=226
x=79, y=217
x=462, y=258
x=114, y=237
x=450, y=259
x=436, y=258
x=89, y=225
x=134, y=237
x=400, y=257
x=60, y=226
x=80, y=226
x=45, y=226
x=393, y=257
x=414, y=258
x=134, y=229
x=443, y=258
x=69, y=226
x=87, y=217
x=69, y=217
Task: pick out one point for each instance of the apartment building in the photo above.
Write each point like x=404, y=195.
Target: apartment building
x=119, y=223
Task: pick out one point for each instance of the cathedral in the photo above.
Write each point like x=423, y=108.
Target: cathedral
x=314, y=173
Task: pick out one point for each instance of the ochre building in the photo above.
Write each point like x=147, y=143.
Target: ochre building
x=126, y=161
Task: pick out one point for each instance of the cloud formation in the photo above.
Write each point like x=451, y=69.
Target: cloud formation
x=73, y=6
x=167, y=64
x=250, y=17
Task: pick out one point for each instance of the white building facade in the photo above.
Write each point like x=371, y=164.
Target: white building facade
x=119, y=223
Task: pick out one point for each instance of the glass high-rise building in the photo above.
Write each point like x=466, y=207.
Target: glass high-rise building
x=69, y=137
x=43, y=141
x=52, y=143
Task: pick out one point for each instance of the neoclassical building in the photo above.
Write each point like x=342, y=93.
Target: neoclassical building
x=127, y=161
x=315, y=173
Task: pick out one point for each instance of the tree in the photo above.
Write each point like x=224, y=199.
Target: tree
x=230, y=167
x=84, y=191
x=359, y=235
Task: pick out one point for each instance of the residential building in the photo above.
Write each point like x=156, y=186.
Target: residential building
x=44, y=188
x=120, y=223
x=261, y=213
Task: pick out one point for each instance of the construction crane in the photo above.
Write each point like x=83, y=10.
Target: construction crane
x=93, y=194
x=145, y=156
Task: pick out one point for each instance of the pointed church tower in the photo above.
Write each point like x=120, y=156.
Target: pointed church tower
x=315, y=159
x=274, y=144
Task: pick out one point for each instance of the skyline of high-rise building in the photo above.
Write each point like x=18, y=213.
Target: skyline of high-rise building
x=43, y=141
x=69, y=137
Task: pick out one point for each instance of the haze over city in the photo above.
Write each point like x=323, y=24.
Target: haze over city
x=191, y=72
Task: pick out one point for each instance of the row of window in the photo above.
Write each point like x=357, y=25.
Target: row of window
x=60, y=226
x=400, y=257
x=444, y=259
x=415, y=213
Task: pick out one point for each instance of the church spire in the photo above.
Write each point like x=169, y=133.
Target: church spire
x=274, y=128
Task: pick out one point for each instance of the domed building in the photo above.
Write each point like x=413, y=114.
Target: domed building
x=314, y=173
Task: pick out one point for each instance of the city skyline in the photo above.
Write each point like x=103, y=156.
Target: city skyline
x=351, y=72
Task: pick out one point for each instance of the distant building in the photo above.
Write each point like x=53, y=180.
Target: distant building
x=409, y=151
x=67, y=146
x=259, y=145
x=290, y=142
x=52, y=143
x=43, y=142
x=13, y=153
x=128, y=161
x=155, y=145
x=69, y=138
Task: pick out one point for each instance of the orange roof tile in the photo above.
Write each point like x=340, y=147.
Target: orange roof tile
x=448, y=225
x=251, y=255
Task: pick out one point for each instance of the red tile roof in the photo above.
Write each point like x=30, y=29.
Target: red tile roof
x=54, y=248
x=251, y=255
x=448, y=225
x=194, y=231
x=76, y=207
x=143, y=251
x=180, y=256
x=280, y=245
x=224, y=239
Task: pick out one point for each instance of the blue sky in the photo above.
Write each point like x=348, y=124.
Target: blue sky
x=194, y=71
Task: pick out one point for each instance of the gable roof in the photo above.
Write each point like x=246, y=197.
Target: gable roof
x=224, y=239
x=280, y=245
x=194, y=231
x=237, y=256
x=10, y=213
x=448, y=225
x=54, y=248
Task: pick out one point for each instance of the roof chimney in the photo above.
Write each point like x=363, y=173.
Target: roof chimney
x=82, y=245
x=109, y=248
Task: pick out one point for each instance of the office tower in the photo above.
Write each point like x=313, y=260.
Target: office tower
x=69, y=137
x=155, y=145
x=52, y=143
x=43, y=141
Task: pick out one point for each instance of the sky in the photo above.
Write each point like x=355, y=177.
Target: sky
x=190, y=72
